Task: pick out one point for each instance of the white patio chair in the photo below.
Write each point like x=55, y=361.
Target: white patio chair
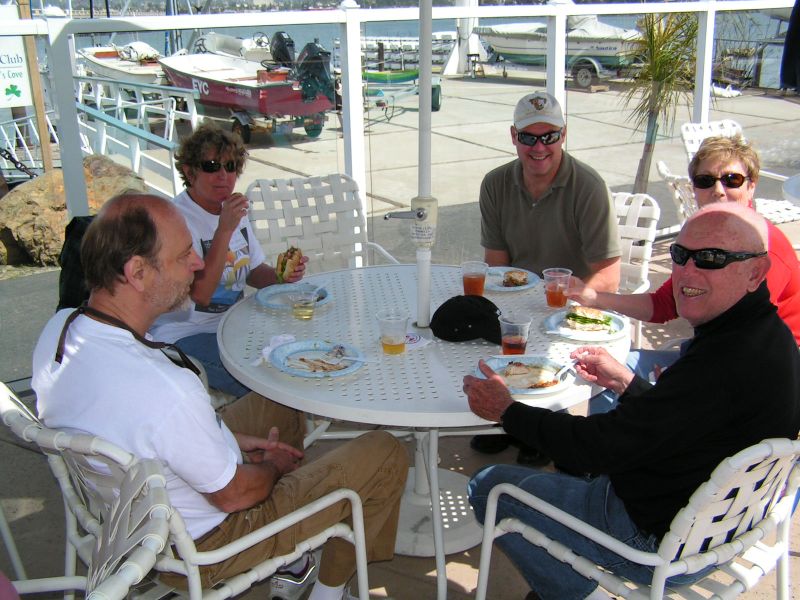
x=682, y=192
x=322, y=216
x=91, y=472
x=637, y=220
x=747, y=498
x=693, y=135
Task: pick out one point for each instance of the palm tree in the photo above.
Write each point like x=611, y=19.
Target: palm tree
x=666, y=56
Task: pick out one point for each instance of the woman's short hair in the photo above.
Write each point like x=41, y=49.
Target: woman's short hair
x=207, y=138
x=727, y=149
x=124, y=228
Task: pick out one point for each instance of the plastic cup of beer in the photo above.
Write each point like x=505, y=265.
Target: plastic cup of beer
x=514, y=330
x=556, y=285
x=473, y=272
x=303, y=304
x=393, y=324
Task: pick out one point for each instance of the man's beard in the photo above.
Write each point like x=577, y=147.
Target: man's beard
x=172, y=297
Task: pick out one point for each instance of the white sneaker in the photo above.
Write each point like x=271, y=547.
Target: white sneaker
x=285, y=585
x=353, y=595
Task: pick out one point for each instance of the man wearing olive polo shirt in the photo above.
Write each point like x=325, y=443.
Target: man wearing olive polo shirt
x=546, y=209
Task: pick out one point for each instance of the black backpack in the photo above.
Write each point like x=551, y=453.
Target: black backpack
x=72, y=290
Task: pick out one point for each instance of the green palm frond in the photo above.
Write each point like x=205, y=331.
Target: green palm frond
x=666, y=56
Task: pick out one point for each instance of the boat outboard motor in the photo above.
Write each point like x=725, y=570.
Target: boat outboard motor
x=282, y=49
x=313, y=71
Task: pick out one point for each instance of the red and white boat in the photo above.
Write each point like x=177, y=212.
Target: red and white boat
x=301, y=93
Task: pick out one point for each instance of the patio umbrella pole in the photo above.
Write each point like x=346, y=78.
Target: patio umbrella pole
x=423, y=231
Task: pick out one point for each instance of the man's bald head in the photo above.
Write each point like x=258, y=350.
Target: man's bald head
x=126, y=226
x=747, y=228
x=704, y=292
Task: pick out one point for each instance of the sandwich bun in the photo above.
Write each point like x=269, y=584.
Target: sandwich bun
x=584, y=318
x=515, y=278
x=287, y=262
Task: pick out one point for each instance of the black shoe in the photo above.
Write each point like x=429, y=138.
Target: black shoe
x=531, y=457
x=490, y=444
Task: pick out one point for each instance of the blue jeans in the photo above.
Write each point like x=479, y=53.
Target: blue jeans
x=590, y=500
x=203, y=347
x=640, y=362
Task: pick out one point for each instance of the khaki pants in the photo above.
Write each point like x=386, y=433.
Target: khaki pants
x=374, y=465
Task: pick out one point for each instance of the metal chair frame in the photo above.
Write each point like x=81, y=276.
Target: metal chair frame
x=724, y=525
x=637, y=216
x=91, y=472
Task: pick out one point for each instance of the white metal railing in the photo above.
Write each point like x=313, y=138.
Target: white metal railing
x=137, y=103
x=106, y=135
x=20, y=138
x=350, y=18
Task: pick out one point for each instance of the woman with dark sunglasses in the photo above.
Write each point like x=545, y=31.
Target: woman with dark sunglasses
x=725, y=169
x=210, y=162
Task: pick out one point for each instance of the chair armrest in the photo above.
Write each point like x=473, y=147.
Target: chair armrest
x=558, y=515
x=383, y=252
x=251, y=539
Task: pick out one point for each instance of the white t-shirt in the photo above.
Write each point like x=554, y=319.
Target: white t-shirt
x=244, y=255
x=110, y=385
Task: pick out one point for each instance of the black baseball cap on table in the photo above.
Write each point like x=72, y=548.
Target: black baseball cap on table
x=464, y=318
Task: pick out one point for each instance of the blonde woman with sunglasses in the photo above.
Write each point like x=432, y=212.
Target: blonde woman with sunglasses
x=725, y=169
x=209, y=162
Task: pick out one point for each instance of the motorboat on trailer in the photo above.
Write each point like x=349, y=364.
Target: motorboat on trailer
x=592, y=46
x=275, y=97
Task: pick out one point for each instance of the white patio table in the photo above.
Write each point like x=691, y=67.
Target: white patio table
x=420, y=389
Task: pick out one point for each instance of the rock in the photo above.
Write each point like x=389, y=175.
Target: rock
x=34, y=214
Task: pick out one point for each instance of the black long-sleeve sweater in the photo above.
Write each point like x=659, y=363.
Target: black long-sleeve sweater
x=737, y=384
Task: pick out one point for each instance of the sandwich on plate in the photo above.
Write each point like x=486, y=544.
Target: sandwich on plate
x=584, y=318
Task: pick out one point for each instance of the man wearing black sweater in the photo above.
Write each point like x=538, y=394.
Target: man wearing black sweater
x=737, y=383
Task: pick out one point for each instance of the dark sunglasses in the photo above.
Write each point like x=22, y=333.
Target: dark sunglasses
x=709, y=258
x=729, y=180
x=212, y=166
x=529, y=139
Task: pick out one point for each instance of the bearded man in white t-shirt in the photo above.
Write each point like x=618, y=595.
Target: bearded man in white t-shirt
x=96, y=370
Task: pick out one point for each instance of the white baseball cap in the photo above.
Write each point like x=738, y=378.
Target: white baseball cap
x=539, y=107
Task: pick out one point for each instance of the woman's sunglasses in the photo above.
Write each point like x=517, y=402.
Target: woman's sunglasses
x=212, y=166
x=529, y=139
x=709, y=258
x=729, y=180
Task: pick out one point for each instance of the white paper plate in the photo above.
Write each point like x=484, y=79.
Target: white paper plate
x=494, y=280
x=498, y=363
x=287, y=357
x=554, y=324
x=277, y=296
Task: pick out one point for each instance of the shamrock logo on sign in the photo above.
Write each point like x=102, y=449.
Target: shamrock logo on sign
x=13, y=90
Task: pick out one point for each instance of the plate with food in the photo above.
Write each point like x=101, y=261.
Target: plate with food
x=525, y=374
x=316, y=358
x=277, y=296
x=509, y=279
x=585, y=324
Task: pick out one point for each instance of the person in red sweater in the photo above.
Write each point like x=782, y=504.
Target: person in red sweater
x=725, y=169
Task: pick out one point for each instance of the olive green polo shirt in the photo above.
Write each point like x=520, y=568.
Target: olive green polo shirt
x=572, y=225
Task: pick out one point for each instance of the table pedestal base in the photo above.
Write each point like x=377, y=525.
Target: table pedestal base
x=415, y=531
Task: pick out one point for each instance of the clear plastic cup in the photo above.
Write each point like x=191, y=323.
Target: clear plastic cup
x=303, y=304
x=556, y=286
x=473, y=273
x=514, y=331
x=393, y=324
